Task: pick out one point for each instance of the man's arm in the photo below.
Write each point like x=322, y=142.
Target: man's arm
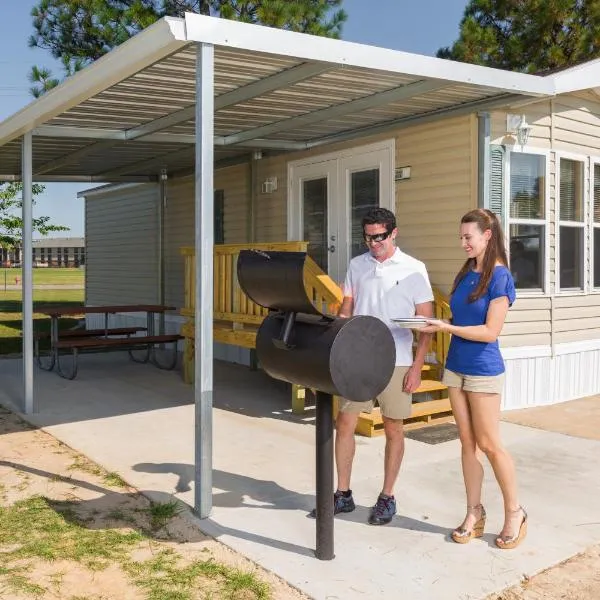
x=346, y=308
x=412, y=379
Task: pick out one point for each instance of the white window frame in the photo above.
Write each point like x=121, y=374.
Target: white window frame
x=508, y=221
x=593, y=161
x=584, y=159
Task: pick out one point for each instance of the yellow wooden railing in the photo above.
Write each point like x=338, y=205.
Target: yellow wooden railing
x=236, y=317
x=441, y=340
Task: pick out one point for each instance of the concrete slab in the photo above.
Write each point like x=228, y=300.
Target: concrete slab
x=580, y=418
x=138, y=421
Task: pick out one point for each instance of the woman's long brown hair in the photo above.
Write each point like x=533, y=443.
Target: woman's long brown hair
x=494, y=253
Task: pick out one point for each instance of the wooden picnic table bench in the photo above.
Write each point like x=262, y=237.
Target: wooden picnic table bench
x=130, y=344
x=76, y=340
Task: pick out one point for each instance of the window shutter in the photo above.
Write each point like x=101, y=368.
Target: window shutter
x=495, y=202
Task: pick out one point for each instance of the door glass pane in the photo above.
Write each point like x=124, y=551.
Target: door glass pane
x=364, y=195
x=527, y=255
x=527, y=186
x=571, y=190
x=571, y=257
x=314, y=201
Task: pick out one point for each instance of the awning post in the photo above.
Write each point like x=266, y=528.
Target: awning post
x=204, y=244
x=27, y=273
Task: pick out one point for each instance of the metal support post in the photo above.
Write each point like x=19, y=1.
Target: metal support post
x=204, y=244
x=324, y=438
x=27, y=274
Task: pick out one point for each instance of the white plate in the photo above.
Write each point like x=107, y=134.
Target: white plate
x=410, y=322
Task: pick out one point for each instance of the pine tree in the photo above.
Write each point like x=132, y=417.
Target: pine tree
x=531, y=36
x=78, y=32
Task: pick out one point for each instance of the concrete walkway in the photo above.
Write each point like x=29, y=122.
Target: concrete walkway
x=138, y=421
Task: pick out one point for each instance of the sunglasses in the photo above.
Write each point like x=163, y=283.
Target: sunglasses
x=377, y=237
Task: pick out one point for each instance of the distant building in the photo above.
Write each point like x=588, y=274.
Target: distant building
x=49, y=252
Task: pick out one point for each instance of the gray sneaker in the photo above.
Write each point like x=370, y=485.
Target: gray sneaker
x=341, y=504
x=383, y=511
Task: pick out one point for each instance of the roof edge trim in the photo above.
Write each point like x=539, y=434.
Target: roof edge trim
x=258, y=38
x=150, y=45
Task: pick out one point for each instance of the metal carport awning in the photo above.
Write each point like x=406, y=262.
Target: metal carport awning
x=183, y=93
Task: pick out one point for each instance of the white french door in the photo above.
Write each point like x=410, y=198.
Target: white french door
x=329, y=196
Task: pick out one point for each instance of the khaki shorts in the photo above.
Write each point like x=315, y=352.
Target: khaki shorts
x=486, y=384
x=394, y=403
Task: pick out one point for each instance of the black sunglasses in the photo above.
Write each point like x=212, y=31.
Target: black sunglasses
x=377, y=237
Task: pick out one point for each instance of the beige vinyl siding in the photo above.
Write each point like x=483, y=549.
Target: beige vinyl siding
x=180, y=219
x=576, y=318
x=178, y=232
x=442, y=187
x=121, y=230
x=235, y=183
x=528, y=323
x=576, y=125
x=271, y=209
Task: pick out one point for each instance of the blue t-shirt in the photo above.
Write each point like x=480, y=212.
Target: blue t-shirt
x=477, y=358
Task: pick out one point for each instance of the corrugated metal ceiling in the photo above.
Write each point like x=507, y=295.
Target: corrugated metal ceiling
x=261, y=101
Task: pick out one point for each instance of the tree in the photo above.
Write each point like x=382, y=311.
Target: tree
x=78, y=32
x=531, y=36
x=11, y=223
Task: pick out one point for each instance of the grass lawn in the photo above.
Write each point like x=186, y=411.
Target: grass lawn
x=11, y=315
x=70, y=530
x=45, y=276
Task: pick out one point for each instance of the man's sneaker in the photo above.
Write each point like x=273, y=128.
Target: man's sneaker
x=341, y=504
x=383, y=511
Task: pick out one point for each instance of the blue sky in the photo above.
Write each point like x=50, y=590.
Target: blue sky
x=420, y=27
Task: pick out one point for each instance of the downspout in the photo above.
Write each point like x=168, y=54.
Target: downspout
x=256, y=156
x=483, y=159
x=162, y=206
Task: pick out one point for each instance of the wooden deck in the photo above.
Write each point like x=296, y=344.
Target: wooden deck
x=237, y=319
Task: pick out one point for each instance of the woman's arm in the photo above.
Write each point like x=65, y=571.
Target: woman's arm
x=488, y=332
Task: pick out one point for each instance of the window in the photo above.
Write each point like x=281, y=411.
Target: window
x=527, y=219
x=596, y=225
x=219, y=217
x=571, y=231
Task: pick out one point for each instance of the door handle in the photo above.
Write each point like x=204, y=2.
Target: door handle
x=331, y=248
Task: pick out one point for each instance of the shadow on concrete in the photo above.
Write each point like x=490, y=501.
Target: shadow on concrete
x=109, y=385
x=242, y=491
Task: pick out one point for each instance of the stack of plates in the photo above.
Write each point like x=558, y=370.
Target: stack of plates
x=410, y=322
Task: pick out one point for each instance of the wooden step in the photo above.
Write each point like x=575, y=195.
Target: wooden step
x=430, y=385
x=371, y=424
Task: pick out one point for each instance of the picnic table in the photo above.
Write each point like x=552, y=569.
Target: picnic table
x=103, y=339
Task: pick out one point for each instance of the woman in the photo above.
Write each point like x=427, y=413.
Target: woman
x=481, y=295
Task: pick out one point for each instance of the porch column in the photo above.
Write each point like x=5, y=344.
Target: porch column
x=204, y=242
x=27, y=274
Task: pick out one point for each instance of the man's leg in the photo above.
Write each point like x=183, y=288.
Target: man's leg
x=345, y=446
x=395, y=406
x=394, y=453
x=345, y=425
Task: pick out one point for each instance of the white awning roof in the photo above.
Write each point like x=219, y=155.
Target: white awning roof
x=131, y=113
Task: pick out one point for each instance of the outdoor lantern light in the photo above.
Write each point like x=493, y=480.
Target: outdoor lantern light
x=523, y=131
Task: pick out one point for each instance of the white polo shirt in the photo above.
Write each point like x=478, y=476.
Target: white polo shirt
x=389, y=289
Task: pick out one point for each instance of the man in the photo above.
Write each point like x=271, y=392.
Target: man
x=385, y=283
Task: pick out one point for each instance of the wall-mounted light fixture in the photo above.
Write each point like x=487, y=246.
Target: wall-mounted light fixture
x=518, y=126
x=269, y=185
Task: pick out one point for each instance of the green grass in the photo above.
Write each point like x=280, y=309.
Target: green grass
x=161, y=512
x=45, y=276
x=38, y=529
x=163, y=578
x=11, y=315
